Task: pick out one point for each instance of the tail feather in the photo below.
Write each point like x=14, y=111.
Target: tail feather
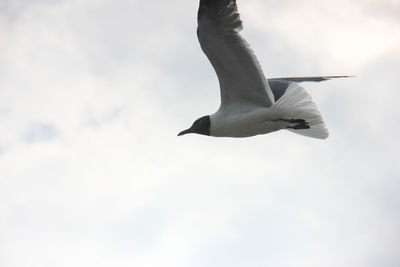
x=296, y=103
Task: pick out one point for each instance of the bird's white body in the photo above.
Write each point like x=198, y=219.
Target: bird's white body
x=245, y=124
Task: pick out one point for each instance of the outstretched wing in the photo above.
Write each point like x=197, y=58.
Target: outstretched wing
x=308, y=79
x=279, y=85
x=241, y=79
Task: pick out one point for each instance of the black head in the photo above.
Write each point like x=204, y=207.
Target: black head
x=200, y=126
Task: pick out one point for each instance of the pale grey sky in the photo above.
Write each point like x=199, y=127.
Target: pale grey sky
x=93, y=93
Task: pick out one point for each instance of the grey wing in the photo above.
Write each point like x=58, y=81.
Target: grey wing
x=279, y=85
x=240, y=76
x=308, y=79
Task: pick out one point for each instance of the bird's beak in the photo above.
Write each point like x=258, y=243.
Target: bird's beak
x=185, y=132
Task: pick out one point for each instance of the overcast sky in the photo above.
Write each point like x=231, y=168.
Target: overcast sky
x=94, y=92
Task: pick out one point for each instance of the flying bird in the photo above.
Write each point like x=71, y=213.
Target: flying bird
x=250, y=104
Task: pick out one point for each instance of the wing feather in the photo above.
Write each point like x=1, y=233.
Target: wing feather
x=242, y=82
x=309, y=79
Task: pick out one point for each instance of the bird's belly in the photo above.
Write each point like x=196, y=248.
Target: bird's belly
x=244, y=125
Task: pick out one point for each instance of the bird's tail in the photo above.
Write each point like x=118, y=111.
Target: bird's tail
x=298, y=105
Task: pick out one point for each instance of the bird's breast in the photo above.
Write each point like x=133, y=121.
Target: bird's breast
x=243, y=124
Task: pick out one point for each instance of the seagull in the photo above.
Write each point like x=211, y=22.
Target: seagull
x=250, y=104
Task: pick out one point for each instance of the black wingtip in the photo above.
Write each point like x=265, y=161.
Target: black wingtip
x=214, y=3
x=208, y=3
x=338, y=76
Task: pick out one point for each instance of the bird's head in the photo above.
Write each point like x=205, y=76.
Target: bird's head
x=200, y=126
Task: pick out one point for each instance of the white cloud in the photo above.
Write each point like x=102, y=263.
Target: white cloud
x=345, y=36
x=114, y=82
